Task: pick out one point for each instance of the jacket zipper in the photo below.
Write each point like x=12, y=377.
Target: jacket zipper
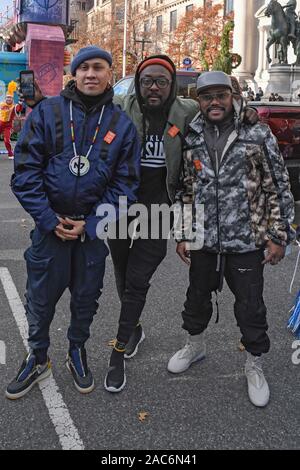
x=217, y=205
x=81, y=147
x=217, y=196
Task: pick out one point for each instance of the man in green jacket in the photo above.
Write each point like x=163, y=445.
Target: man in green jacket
x=161, y=119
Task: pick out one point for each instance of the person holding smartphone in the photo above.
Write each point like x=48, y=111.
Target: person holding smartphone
x=76, y=152
x=8, y=112
x=27, y=84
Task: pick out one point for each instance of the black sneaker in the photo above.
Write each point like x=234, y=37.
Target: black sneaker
x=29, y=374
x=115, y=379
x=134, y=341
x=77, y=364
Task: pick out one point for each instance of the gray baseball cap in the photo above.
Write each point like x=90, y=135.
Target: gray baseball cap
x=213, y=79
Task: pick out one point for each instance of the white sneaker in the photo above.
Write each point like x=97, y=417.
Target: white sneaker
x=11, y=157
x=258, y=388
x=193, y=351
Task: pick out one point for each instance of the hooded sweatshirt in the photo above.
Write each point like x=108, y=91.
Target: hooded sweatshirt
x=153, y=189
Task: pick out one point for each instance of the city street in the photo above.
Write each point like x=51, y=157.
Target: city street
x=205, y=408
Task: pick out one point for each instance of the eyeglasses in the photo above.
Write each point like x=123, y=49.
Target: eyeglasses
x=161, y=83
x=222, y=96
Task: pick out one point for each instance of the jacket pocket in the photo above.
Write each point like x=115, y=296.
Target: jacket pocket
x=95, y=254
x=256, y=307
x=38, y=271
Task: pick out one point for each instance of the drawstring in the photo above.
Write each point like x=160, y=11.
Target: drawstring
x=135, y=225
x=144, y=135
x=217, y=305
x=221, y=261
x=218, y=263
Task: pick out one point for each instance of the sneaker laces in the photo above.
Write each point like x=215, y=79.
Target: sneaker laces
x=254, y=371
x=26, y=368
x=78, y=358
x=187, y=350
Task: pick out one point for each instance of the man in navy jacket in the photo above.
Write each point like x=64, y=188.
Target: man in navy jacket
x=76, y=152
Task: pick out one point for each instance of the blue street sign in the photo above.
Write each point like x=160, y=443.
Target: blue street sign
x=187, y=61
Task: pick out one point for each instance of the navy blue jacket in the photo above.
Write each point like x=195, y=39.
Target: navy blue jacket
x=42, y=181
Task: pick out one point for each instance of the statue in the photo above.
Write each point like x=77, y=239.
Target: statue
x=285, y=30
x=291, y=17
x=279, y=31
x=297, y=44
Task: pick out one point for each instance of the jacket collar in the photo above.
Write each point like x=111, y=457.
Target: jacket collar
x=69, y=92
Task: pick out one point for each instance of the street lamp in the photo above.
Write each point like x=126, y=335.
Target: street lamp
x=125, y=39
x=143, y=42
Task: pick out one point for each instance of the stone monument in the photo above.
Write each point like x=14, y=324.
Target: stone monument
x=284, y=33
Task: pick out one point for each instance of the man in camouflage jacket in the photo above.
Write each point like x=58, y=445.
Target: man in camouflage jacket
x=237, y=173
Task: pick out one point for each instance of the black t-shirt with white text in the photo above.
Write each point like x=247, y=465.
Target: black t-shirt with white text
x=153, y=189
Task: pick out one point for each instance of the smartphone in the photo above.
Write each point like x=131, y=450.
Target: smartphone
x=27, y=84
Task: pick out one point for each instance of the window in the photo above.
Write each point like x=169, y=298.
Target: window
x=83, y=6
x=147, y=26
x=229, y=6
x=189, y=8
x=173, y=20
x=159, y=24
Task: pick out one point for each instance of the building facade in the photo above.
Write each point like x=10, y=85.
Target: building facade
x=78, y=14
x=151, y=23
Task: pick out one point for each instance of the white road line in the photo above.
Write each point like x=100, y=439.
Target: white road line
x=17, y=221
x=67, y=433
x=13, y=255
x=2, y=353
x=11, y=205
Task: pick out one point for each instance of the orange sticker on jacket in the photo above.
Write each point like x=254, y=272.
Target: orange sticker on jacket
x=173, y=131
x=110, y=136
x=198, y=165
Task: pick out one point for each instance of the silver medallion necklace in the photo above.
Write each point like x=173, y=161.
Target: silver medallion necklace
x=79, y=164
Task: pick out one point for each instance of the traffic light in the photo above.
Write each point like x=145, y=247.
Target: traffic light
x=129, y=59
x=67, y=58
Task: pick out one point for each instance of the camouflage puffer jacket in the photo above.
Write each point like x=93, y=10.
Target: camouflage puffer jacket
x=247, y=200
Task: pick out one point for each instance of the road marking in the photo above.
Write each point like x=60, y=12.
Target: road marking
x=2, y=353
x=13, y=255
x=11, y=205
x=67, y=433
x=17, y=221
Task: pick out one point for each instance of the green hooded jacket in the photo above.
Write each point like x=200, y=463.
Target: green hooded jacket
x=180, y=113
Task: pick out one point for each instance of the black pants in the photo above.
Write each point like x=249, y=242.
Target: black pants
x=244, y=276
x=134, y=268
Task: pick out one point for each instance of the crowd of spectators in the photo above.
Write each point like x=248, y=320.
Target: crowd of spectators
x=251, y=95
